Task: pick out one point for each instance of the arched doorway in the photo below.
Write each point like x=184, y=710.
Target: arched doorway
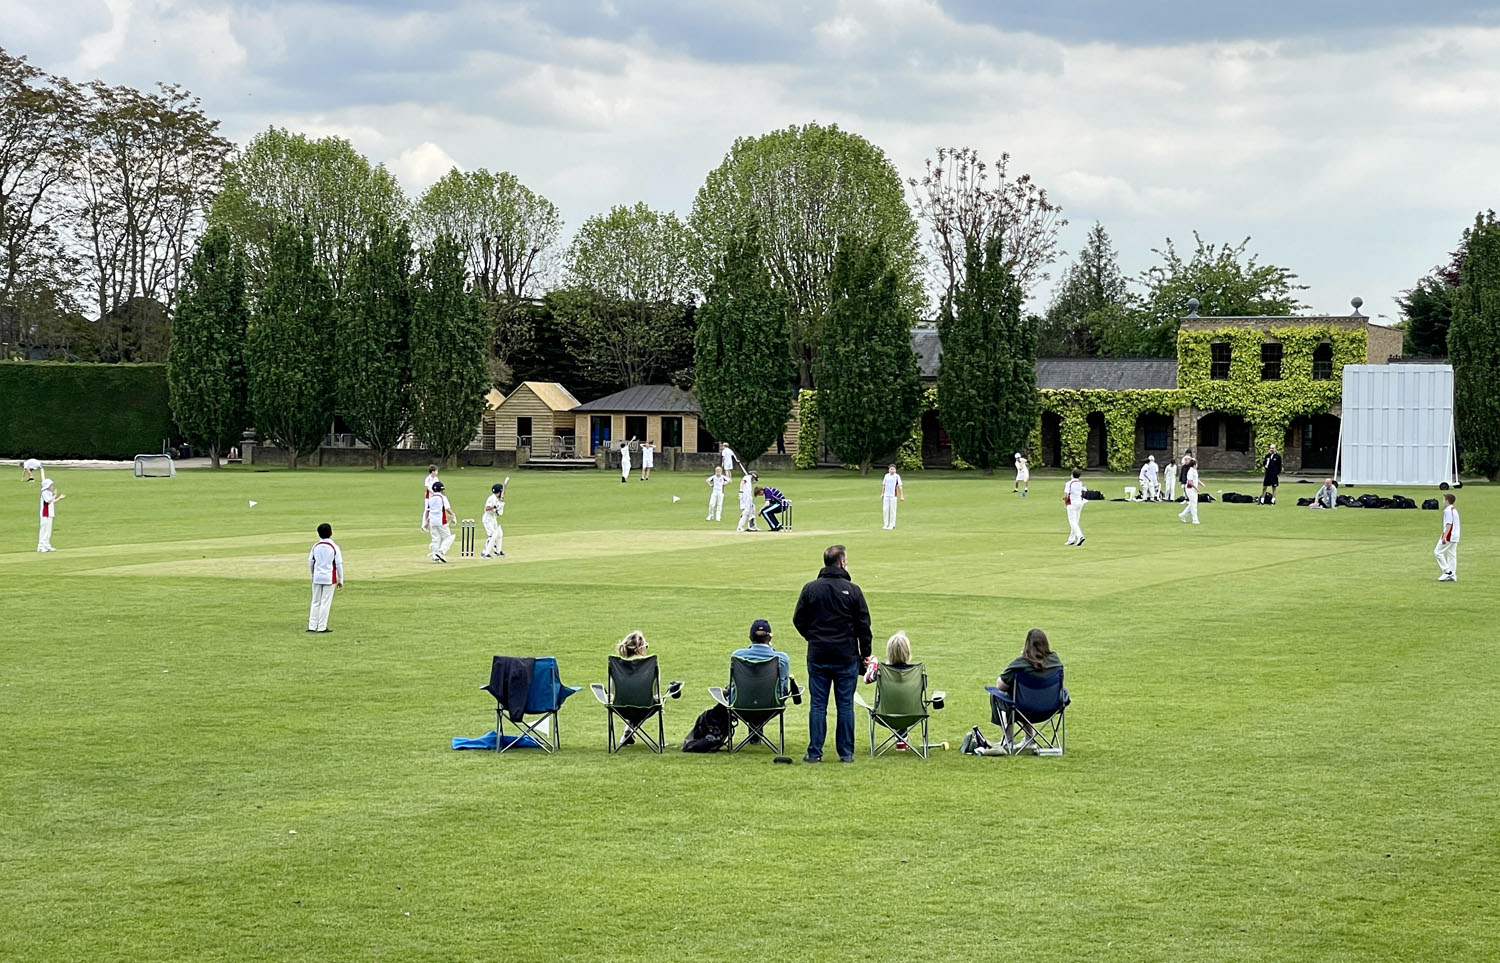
x=1320, y=442
x=1098, y=445
x=1051, y=453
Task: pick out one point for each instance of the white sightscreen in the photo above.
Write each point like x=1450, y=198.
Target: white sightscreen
x=1397, y=426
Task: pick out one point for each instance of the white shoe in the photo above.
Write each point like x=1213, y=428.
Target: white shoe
x=1447, y=577
x=1182, y=520
x=1195, y=521
x=1070, y=542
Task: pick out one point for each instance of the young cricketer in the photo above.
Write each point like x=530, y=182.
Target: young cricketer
x=1169, y=475
x=494, y=507
x=326, y=563
x=747, y=502
x=775, y=504
x=716, y=483
x=726, y=457
x=50, y=497
x=1190, y=491
x=891, y=492
x=1023, y=476
x=438, y=515
x=1447, y=546
x=29, y=468
x=1073, y=502
x=432, y=477
x=625, y=461
x=648, y=460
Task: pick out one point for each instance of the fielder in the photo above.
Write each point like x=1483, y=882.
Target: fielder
x=716, y=483
x=1170, y=475
x=726, y=457
x=648, y=460
x=50, y=497
x=1190, y=490
x=747, y=502
x=625, y=461
x=1447, y=546
x=1150, y=487
x=435, y=520
x=1073, y=502
x=891, y=492
x=29, y=468
x=494, y=507
x=326, y=563
x=1023, y=476
x=432, y=477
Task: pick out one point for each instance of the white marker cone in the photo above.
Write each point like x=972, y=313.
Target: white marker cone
x=252, y=504
x=675, y=499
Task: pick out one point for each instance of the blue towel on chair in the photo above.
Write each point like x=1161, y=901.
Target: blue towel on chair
x=487, y=741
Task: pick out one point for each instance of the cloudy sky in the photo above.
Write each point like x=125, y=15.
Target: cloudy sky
x=1351, y=139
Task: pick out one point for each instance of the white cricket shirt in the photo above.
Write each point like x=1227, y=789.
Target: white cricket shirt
x=888, y=484
x=1450, y=517
x=326, y=563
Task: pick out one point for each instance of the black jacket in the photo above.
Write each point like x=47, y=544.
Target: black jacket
x=832, y=616
x=1273, y=465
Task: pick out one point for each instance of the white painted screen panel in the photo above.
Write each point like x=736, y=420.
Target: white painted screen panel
x=1397, y=424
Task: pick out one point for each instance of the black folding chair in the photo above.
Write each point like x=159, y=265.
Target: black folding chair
x=1039, y=702
x=633, y=695
x=753, y=700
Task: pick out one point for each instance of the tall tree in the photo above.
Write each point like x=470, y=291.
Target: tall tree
x=1226, y=279
x=1427, y=307
x=449, y=377
x=372, y=350
x=149, y=165
x=206, y=369
x=289, y=349
x=869, y=388
x=987, y=379
x=804, y=189
x=744, y=374
x=627, y=311
x=1474, y=348
x=283, y=177
x=1090, y=288
x=960, y=207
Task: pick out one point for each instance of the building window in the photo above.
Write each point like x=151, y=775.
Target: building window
x=1270, y=361
x=523, y=432
x=1323, y=362
x=1236, y=433
x=1156, y=430
x=1220, y=353
x=635, y=427
x=671, y=432
x=1208, y=431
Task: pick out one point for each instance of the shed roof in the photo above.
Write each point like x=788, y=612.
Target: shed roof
x=550, y=393
x=1106, y=373
x=646, y=399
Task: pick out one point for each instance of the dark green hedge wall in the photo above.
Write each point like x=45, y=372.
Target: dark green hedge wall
x=64, y=410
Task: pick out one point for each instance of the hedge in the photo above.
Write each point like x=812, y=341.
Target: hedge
x=69, y=410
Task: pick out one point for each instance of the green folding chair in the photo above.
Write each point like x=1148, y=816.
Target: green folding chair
x=632, y=695
x=901, y=706
x=753, y=701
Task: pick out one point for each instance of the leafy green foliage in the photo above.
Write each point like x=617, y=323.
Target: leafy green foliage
x=744, y=373
x=1091, y=296
x=289, y=350
x=868, y=384
x=372, y=353
x=206, y=370
x=1474, y=347
x=805, y=189
x=60, y=410
x=809, y=430
x=506, y=230
x=987, y=379
x=448, y=334
x=1427, y=306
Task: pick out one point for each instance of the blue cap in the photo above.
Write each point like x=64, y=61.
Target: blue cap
x=759, y=626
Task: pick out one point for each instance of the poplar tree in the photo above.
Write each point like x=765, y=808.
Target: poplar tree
x=289, y=350
x=206, y=364
x=448, y=335
x=1474, y=349
x=373, y=350
x=987, y=379
x=869, y=388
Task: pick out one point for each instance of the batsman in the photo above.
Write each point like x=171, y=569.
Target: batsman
x=494, y=507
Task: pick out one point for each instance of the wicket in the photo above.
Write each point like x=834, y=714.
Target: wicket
x=466, y=540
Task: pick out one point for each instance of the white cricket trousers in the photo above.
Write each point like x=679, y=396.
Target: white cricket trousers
x=496, y=533
x=1075, y=532
x=747, y=513
x=1172, y=487
x=1447, y=557
x=1190, y=506
x=442, y=539
x=888, y=510
x=715, y=506
x=44, y=535
x=322, y=601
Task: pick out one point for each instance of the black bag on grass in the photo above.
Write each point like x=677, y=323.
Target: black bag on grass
x=1304, y=502
x=1430, y=504
x=1090, y=495
x=709, y=732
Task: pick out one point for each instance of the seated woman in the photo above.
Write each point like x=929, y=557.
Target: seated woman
x=1035, y=659
x=898, y=651
x=633, y=646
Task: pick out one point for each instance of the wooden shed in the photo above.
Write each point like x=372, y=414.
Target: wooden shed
x=664, y=414
x=537, y=416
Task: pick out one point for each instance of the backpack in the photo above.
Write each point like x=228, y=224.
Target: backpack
x=1304, y=502
x=1401, y=501
x=709, y=732
x=1430, y=504
x=1090, y=495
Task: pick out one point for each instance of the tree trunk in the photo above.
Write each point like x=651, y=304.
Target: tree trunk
x=213, y=455
x=864, y=467
x=291, y=458
x=989, y=469
x=380, y=457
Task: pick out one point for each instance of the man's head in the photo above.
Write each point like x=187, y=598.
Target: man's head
x=325, y=530
x=723, y=445
x=760, y=631
x=835, y=557
x=1449, y=498
x=1273, y=447
x=1075, y=473
x=1328, y=482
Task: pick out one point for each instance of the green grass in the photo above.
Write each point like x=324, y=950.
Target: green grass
x=1282, y=743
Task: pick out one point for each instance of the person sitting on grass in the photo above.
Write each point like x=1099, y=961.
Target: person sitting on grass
x=1327, y=496
x=1036, y=658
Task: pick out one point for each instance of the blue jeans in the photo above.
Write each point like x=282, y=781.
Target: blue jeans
x=842, y=679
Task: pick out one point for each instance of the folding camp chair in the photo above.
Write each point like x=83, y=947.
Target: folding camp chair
x=1039, y=702
x=633, y=694
x=753, y=699
x=543, y=698
x=901, y=705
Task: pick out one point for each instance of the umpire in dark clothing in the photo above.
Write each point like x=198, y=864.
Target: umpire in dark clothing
x=1273, y=475
x=832, y=616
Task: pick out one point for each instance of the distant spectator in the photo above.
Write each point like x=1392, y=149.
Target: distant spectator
x=1036, y=658
x=898, y=651
x=1327, y=496
x=761, y=650
x=633, y=646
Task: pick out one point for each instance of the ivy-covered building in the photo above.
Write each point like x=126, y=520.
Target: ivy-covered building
x=1237, y=384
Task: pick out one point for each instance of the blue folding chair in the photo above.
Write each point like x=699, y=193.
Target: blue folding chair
x=544, y=697
x=1039, y=702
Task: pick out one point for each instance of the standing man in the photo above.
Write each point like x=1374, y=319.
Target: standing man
x=747, y=502
x=494, y=507
x=1170, y=474
x=50, y=497
x=1073, y=502
x=1189, y=489
x=29, y=468
x=1447, y=546
x=326, y=563
x=648, y=460
x=1023, y=476
x=438, y=515
x=891, y=492
x=774, y=505
x=1272, y=465
x=716, y=483
x=832, y=616
x=432, y=477
x=625, y=460
x=726, y=456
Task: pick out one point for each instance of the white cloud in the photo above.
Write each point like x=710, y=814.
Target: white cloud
x=418, y=167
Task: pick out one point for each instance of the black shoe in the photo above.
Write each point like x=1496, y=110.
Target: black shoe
x=846, y=758
x=810, y=758
x=629, y=740
x=324, y=631
x=501, y=554
x=1080, y=541
x=441, y=559
x=312, y=630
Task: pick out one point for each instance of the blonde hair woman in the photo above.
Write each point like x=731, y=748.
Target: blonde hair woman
x=633, y=646
x=898, y=650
